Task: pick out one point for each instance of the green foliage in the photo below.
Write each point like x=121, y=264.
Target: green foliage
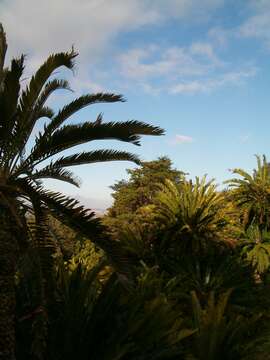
x=175, y=270
x=85, y=255
x=133, y=198
x=24, y=164
x=259, y=257
x=256, y=249
x=191, y=215
x=222, y=334
x=105, y=320
x=251, y=193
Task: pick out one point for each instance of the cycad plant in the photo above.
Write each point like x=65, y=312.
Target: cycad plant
x=104, y=320
x=192, y=215
x=224, y=334
x=24, y=163
x=256, y=250
x=251, y=192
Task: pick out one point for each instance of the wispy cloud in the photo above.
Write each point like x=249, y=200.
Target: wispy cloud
x=257, y=25
x=210, y=84
x=181, y=139
x=173, y=62
x=92, y=26
x=186, y=70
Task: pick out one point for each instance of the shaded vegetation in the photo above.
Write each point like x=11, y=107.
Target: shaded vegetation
x=176, y=269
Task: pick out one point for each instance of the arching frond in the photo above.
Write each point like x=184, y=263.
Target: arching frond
x=49, y=88
x=95, y=156
x=78, y=104
x=3, y=49
x=30, y=96
x=51, y=172
x=9, y=98
x=45, y=111
x=31, y=93
x=72, y=135
x=192, y=214
x=259, y=257
x=252, y=193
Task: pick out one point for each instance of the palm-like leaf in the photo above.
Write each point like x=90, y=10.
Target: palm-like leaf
x=71, y=135
x=223, y=334
x=3, y=49
x=78, y=104
x=104, y=321
x=252, y=194
x=53, y=172
x=20, y=114
x=20, y=185
x=95, y=156
x=191, y=213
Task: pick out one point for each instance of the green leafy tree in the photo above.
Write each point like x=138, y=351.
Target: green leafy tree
x=24, y=163
x=185, y=220
x=133, y=198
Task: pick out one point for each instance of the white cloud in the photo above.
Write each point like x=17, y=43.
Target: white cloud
x=175, y=70
x=39, y=27
x=182, y=139
x=191, y=87
x=154, y=61
x=258, y=24
x=205, y=50
x=210, y=84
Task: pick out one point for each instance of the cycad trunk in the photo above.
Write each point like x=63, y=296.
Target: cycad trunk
x=8, y=254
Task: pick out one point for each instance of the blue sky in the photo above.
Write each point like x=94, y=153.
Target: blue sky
x=198, y=68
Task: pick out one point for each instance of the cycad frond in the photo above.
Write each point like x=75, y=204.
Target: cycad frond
x=45, y=111
x=79, y=104
x=51, y=172
x=9, y=97
x=72, y=135
x=191, y=213
x=252, y=193
x=31, y=93
x=49, y=88
x=3, y=50
x=30, y=96
x=69, y=212
x=95, y=156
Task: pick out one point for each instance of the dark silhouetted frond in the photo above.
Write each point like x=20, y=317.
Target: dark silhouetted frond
x=32, y=92
x=9, y=98
x=96, y=156
x=79, y=104
x=49, y=88
x=72, y=135
x=30, y=96
x=51, y=172
x=3, y=50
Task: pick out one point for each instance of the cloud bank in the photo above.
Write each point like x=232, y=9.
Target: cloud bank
x=38, y=27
